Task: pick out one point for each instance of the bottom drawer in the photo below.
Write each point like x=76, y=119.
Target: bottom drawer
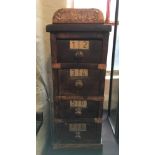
x=77, y=132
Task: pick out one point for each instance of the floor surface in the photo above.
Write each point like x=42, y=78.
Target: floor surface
x=110, y=146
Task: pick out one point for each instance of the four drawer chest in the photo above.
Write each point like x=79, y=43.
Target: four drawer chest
x=79, y=45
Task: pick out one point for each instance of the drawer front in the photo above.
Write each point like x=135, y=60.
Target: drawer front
x=81, y=82
x=79, y=51
x=78, y=109
x=77, y=133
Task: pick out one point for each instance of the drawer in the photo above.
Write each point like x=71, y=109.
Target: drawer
x=81, y=82
x=80, y=51
x=78, y=132
x=78, y=109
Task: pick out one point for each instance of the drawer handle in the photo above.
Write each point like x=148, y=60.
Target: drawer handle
x=78, y=111
x=77, y=135
x=78, y=83
x=79, y=54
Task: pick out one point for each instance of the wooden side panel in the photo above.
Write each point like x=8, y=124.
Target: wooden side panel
x=55, y=84
x=53, y=48
x=105, y=47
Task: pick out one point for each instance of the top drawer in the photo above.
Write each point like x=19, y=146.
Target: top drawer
x=79, y=47
x=70, y=51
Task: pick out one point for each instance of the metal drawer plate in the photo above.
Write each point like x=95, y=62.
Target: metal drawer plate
x=78, y=103
x=77, y=127
x=79, y=44
x=78, y=72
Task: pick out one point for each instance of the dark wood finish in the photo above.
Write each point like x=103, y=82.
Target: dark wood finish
x=79, y=56
x=81, y=35
x=78, y=65
x=67, y=55
x=90, y=133
x=77, y=146
x=97, y=52
x=55, y=83
x=91, y=85
x=90, y=98
x=78, y=28
x=64, y=109
x=80, y=120
x=53, y=48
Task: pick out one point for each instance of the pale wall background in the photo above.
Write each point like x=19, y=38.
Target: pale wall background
x=44, y=12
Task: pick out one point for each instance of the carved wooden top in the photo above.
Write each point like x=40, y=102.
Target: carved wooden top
x=71, y=16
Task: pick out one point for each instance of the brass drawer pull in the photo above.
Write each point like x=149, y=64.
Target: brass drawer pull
x=79, y=54
x=78, y=111
x=78, y=83
x=77, y=135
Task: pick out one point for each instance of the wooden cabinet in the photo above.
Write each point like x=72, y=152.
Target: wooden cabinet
x=79, y=55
